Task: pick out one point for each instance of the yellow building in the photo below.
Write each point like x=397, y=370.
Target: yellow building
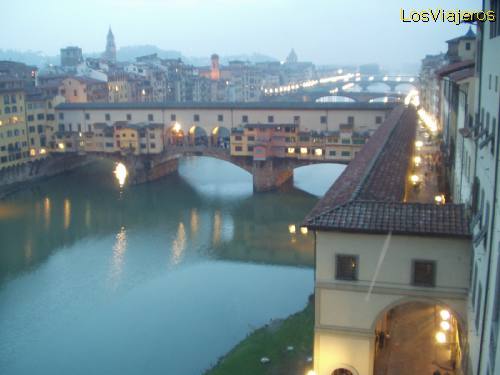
x=14, y=148
x=41, y=123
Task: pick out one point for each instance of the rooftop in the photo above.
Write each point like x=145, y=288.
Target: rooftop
x=227, y=105
x=370, y=195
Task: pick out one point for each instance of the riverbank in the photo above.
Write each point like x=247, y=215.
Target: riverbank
x=287, y=343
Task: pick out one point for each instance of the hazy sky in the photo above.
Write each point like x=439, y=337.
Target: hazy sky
x=322, y=31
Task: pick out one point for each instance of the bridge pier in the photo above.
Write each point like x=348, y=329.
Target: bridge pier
x=270, y=174
x=150, y=168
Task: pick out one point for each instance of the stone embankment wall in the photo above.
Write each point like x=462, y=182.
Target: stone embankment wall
x=16, y=178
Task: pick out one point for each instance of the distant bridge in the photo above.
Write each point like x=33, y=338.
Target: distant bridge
x=340, y=86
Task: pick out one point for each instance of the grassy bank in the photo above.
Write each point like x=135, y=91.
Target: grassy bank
x=272, y=341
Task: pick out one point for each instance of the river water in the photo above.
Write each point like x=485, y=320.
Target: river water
x=161, y=278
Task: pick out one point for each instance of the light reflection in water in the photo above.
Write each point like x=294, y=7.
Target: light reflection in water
x=121, y=173
x=119, y=249
x=87, y=214
x=46, y=212
x=194, y=222
x=28, y=250
x=67, y=213
x=217, y=228
x=179, y=244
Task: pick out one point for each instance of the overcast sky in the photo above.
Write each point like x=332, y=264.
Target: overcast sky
x=322, y=31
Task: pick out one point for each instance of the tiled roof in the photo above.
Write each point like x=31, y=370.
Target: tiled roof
x=395, y=217
x=229, y=105
x=369, y=195
x=460, y=75
x=451, y=68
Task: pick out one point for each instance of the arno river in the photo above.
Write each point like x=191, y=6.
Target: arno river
x=160, y=278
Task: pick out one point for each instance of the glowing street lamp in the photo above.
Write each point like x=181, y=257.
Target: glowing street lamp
x=291, y=228
x=417, y=160
x=445, y=314
x=445, y=326
x=303, y=230
x=414, y=179
x=440, y=337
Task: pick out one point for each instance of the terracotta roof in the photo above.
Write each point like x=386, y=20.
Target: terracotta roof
x=369, y=195
x=450, y=68
x=460, y=75
x=395, y=217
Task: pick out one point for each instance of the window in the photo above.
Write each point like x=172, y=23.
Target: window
x=129, y=117
x=220, y=118
x=196, y=118
x=467, y=46
x=238, y=148
x=31, y=118
x=346, y=141
x=350, y=120
x=322, y=119
x=107, y=116
x=61, y=127
x=75, y=93
x=424, y=273
x=39, y=129
x=332, y=153
x=296, y=120
x=31, y=129
x=152, y=135
x=40, y=116
x=270, y=118
x=237, y=138
x=378, y=119
x=250, y=148
x=251, y=138
x=244, y=118
x=87, y=116
x=346, y=267
x=173, y=117
x=150, y=117
x=152, y=145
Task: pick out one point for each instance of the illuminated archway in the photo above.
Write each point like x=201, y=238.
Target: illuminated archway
x=431, y=326
x=174, y=135
x=197, y=136
x=220, y=137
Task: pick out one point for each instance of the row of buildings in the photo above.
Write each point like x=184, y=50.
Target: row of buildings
x=154, y=79
x=309, y=131
x=407, y=239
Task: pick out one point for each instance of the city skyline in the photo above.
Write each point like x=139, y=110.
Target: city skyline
x=316, y=37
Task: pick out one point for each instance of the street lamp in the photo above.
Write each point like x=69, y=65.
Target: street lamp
x=441, y=337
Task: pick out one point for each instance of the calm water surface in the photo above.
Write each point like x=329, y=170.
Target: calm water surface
x=160, y=278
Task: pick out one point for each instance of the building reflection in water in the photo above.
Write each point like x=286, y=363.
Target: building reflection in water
x=179, y=244
x=195, y=222
x=46, y=213
x=217, y=226
x=28, y=250
x=88, y=213
x=67, y=213
x=119, y=249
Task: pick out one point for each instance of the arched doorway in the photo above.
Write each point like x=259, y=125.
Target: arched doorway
x=197, y=136
x=418, y=338
x=220, y=137
x=342, y=371
x=174, y=135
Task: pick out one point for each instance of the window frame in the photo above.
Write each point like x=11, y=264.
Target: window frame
x=434, y=273
x=338, y=275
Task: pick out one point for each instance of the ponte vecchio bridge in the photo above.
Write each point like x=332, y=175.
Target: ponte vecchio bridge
x=268, y=140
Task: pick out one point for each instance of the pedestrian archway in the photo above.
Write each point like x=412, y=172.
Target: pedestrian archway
x=418, y=338
x=220, y=137
x=197, y=136
x=342, y=371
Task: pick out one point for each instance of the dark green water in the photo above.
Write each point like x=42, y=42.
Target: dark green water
x=157, y=279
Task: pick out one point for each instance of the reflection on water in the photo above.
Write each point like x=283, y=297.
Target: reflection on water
x=119, y=249
x=179, y=244
x=82, y=261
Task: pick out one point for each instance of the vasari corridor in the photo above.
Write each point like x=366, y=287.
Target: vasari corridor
x=249, y=187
